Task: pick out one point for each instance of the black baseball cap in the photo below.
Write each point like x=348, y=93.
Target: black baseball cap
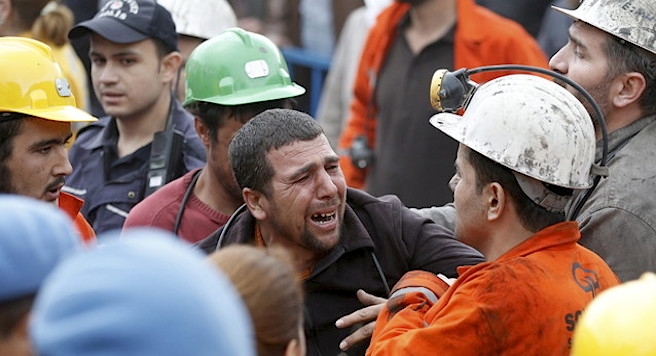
x=128, y=21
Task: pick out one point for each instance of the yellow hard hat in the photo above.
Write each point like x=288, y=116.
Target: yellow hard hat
x=32, y=82
x=620, y=321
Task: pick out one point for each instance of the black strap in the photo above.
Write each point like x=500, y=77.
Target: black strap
x=185, y=198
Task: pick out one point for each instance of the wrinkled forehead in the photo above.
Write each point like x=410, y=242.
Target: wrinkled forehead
x=302, y=153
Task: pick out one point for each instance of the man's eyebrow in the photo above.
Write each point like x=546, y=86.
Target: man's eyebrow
x=332, y=159
x=126, y=52
x=301, y=171
x=576, y=40
x=48, y=142
x=310, y=166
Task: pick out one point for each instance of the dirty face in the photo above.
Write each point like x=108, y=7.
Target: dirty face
x=218, y=160
x=186, y=44
x=469, y=202
x=39, y=161
x=308, y=195
x=584, y=60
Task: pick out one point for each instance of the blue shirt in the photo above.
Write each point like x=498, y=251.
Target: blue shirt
x=111, y=186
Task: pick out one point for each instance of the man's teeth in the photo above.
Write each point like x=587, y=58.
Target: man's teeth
x=324, y=216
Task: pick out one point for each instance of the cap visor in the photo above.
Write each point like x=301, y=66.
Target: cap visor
x=109, y=28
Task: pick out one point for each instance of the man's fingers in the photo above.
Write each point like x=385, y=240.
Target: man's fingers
x=369, y=299
x=365, y=314
x=363, y=333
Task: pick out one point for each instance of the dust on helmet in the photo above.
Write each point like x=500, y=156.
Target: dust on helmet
x=238, y=67
x=633, y=21
x=32, y=82
x=534, y=127
x=619, y=321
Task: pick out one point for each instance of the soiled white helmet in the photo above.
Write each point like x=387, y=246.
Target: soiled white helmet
x=633, y=21
x=200, y=18
x=532, y=126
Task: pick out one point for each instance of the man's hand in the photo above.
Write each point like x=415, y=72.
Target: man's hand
x=366, y=315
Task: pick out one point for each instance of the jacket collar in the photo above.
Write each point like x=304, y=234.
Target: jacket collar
x=108, y=134
x=558, y=234
x=70, y=204
x=619, y=137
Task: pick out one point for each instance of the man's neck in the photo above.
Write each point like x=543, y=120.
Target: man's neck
x=303, y=258
x=138, y=130
x=215, y=195
x=504, y=234
x=429, y=22
x=621, y=117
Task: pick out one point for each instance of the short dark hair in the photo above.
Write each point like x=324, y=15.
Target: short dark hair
x=268, y=130
x=214, y=115
x=626, y=57
x=10, y=126
x=162, y=48
x=532, y=216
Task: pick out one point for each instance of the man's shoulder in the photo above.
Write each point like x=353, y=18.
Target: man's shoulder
x=357, y=198
x=238, y=230
x=89, y=133
x=93, y=127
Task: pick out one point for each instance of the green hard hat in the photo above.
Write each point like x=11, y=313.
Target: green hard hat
x=238, y=67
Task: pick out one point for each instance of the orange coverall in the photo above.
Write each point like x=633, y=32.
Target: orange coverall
x=524, y=303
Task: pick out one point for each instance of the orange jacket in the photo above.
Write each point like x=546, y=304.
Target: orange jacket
x=72, y=205
x=481, y=38
x=524, y=303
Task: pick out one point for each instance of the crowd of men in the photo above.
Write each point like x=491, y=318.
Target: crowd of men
x=137, y=233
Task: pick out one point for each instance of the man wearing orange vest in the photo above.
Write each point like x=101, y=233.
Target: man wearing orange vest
x=36, y=112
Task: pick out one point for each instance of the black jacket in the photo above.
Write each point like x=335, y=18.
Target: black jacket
x=376, y=231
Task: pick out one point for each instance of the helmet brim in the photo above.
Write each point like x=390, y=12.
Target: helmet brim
x=451, y=124
x=56, y=113
x=254, y=95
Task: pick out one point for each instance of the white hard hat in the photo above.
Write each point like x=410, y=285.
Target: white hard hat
x=633, y=21
x=200, y=18
x=532, y=126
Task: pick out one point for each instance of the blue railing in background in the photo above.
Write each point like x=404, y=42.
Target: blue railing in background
x=318, y=66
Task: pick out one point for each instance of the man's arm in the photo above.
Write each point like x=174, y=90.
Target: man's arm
x=626, y=242
x=416, y=321
x=443, y=215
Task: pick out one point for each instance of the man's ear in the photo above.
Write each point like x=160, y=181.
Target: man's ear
x=496, y=201
x=170, y=65
x=628, y=88
x=256, y=203
x=203, y=131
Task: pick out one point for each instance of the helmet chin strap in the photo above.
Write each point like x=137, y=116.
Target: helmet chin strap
x=541, y=195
